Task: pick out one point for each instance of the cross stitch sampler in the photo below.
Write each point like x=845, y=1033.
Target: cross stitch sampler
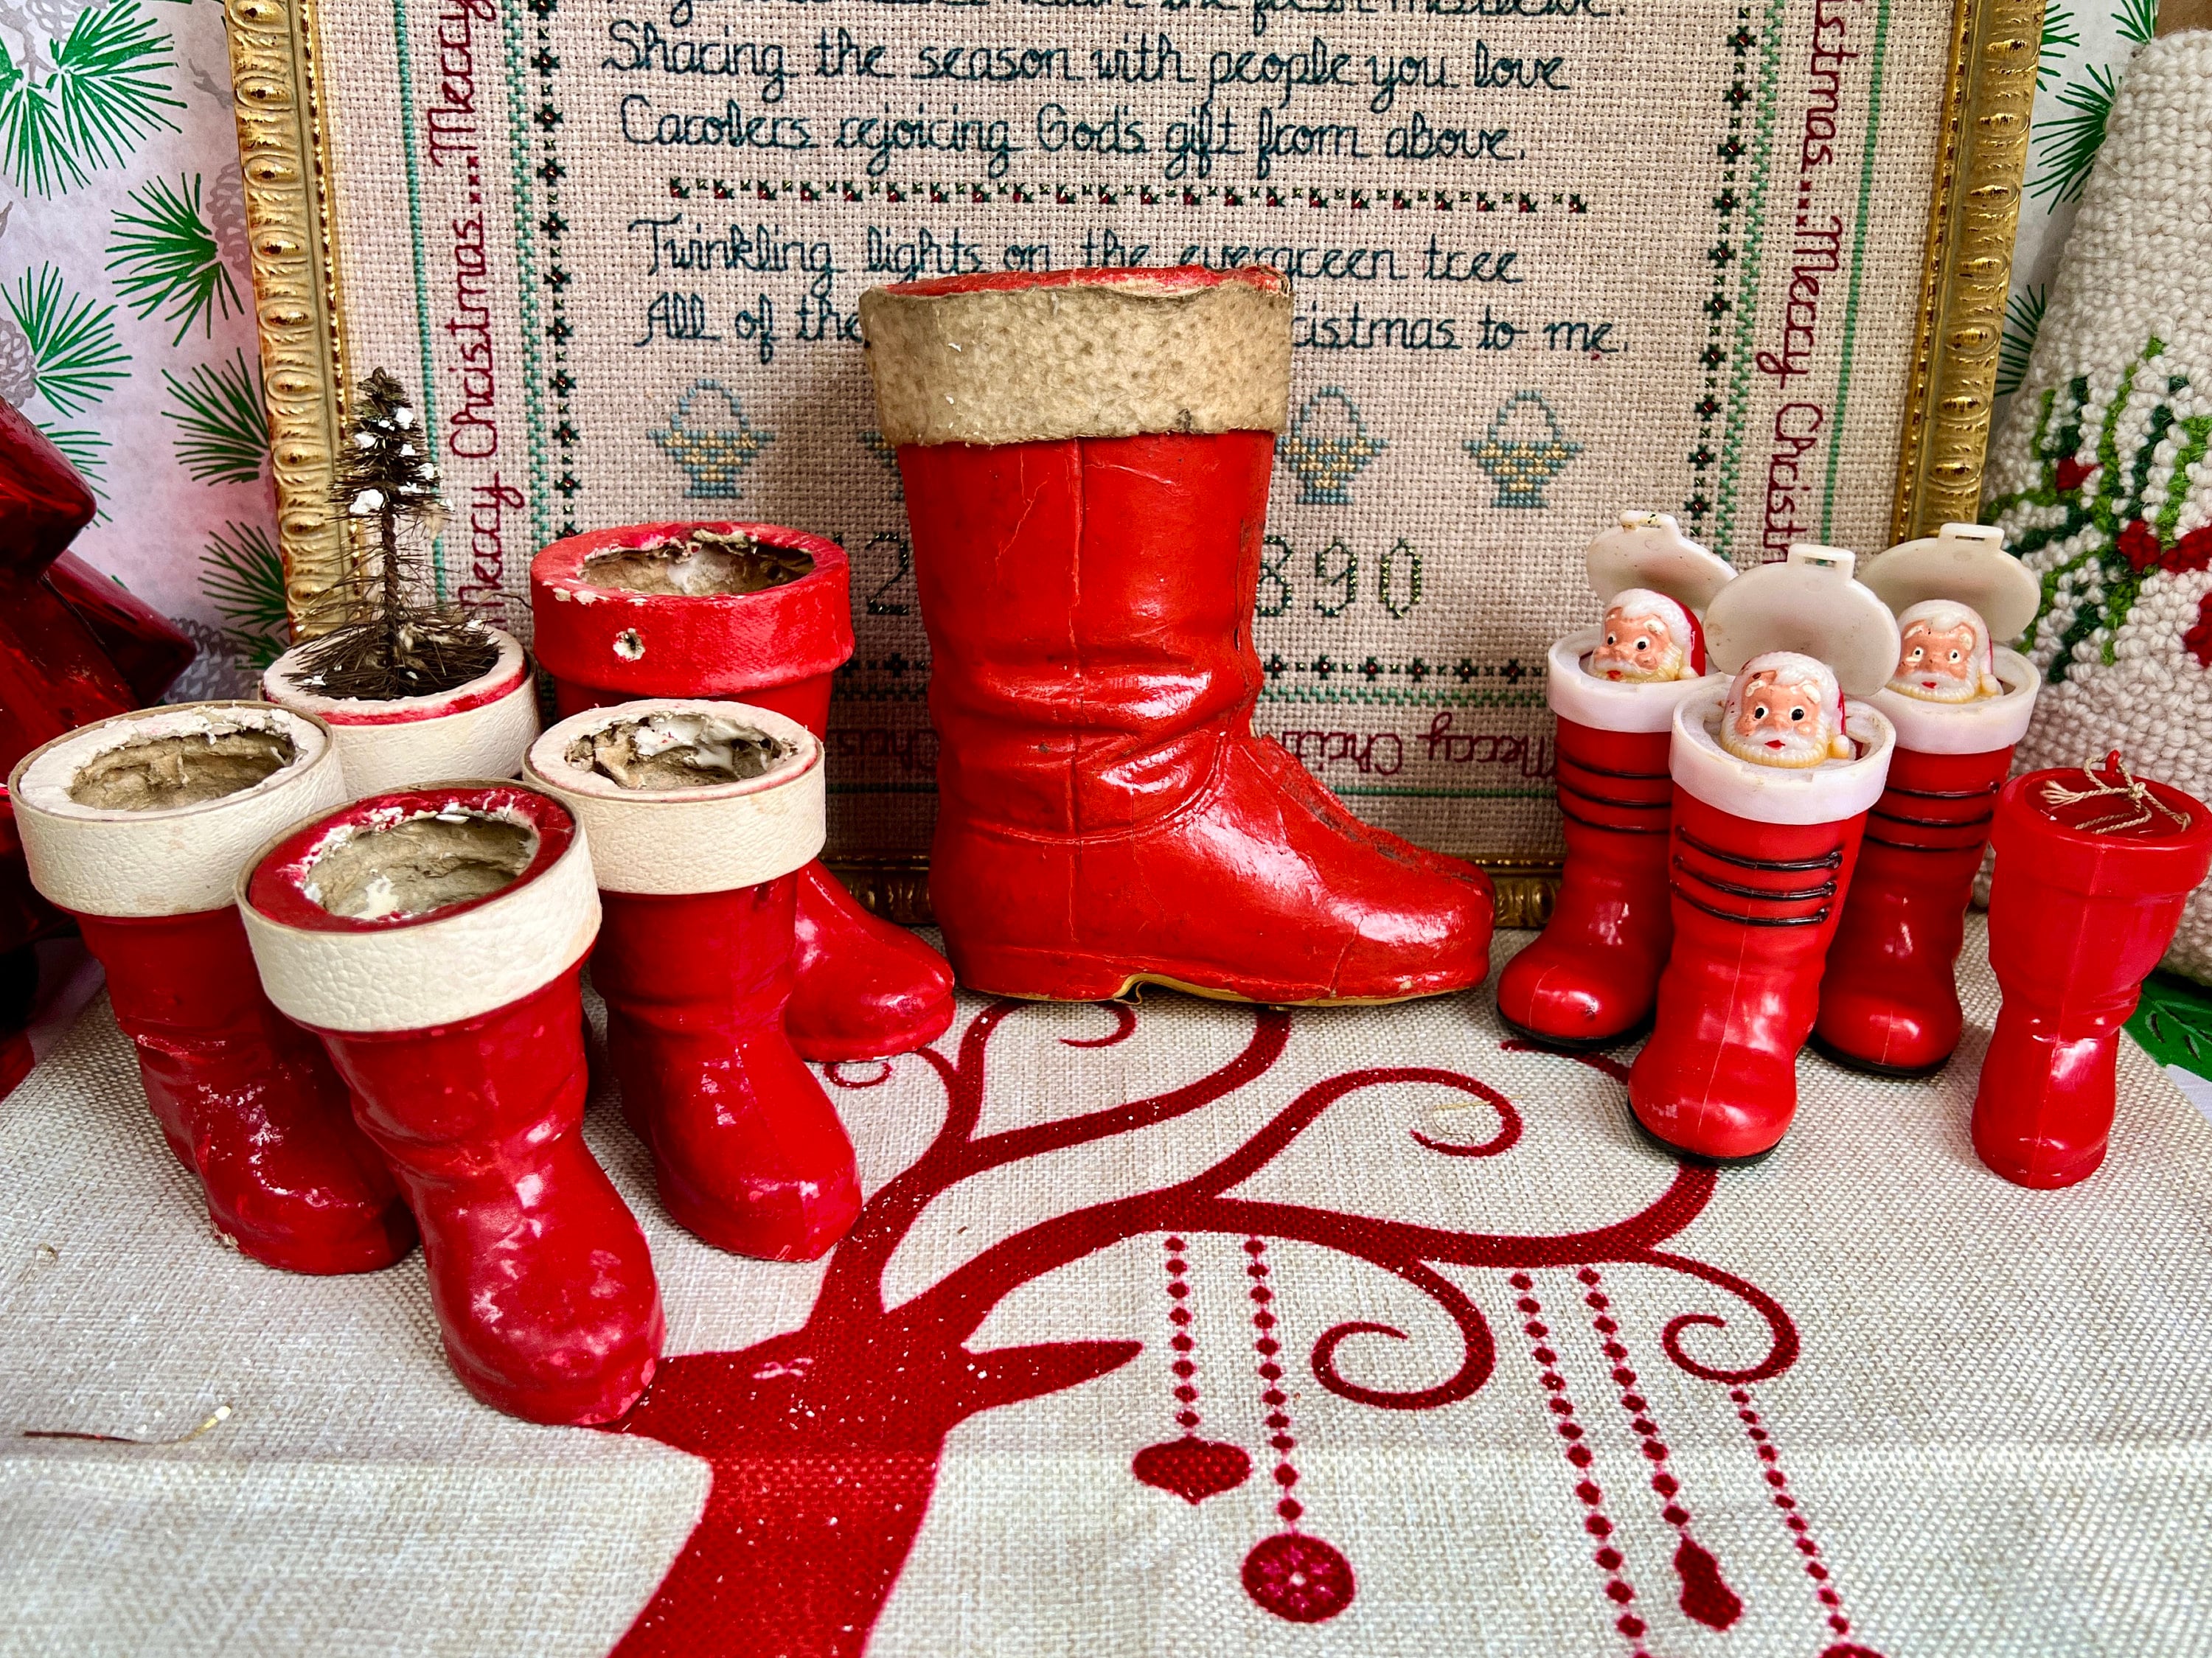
x=1553, y=258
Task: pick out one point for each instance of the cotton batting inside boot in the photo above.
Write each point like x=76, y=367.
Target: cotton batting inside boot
x=419, y=865
x=677, y=750
x=704, y=561
x=181, y=768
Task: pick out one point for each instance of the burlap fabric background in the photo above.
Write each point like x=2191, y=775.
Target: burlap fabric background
x=1986, y=1432
x=2098, y=473
x=1553, y=258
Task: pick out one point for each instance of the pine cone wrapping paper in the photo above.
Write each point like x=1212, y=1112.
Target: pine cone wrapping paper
x=2100, y=476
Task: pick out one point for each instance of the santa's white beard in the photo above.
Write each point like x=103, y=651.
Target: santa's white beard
x=1638, y=671
x=1936, y=687
x=1799, y=748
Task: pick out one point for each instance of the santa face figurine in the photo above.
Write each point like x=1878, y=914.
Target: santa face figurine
x=1773, y=773
x=1590, y=979
x=1647, y=639
x=1784, y=709
x=1888, y=1003
x=1944, y=655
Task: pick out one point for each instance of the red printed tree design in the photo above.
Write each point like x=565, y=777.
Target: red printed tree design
x=825, y=1440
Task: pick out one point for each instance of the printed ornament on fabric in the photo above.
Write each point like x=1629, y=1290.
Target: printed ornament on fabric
x=2098, y=477
x=1468, y=1363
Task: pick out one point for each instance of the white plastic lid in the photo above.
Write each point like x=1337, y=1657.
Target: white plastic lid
x=1648, y=550
x=1807, y=603
x=1966, y=563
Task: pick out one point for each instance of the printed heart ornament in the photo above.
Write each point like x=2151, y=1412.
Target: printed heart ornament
x=1193, y=1469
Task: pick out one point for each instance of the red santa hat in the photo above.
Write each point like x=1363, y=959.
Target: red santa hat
x=1681, y=622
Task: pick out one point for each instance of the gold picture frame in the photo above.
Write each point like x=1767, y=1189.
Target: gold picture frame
x=278, y=76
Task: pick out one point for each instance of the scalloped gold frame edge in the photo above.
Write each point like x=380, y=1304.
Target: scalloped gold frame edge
x=293, y=236
x=1967, y=270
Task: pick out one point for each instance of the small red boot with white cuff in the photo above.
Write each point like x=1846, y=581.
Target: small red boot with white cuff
x=435, y=938
x=1591, y=978
x=1889, y=1000
x=700, y=816
x=1773, y=777
x=139, y=826
x=760, y=614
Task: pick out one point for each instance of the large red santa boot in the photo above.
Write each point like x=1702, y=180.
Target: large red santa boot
x=2093, y=870
x=1772, y=780
x=759, y=614
x=1086, y=458
x=435, y=938
x=1889, y=1002
x=1590, y=979
x=700, y=816
x=139, y=826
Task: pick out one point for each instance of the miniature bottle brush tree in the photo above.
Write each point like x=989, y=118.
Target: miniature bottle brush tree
x=397, y=642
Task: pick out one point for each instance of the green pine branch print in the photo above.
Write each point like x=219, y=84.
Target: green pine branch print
x=164, y=255
x=2070, y=143
x=2023, y=321
x=222, y=435
x=84, y=449
x=2059, y=38
x=76, y=360
x=107, y=90
x=2095, y=529
x=242, y=572
x=2138, y=20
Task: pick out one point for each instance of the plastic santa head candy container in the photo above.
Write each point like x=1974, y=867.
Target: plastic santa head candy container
x=1653, y=581
x=1626, y=675
x=1784, y=709
x=1944, y=653
x=1957, y=594
x=1799, y=638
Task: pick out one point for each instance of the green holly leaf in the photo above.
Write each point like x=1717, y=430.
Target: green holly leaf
x=2173, y=1021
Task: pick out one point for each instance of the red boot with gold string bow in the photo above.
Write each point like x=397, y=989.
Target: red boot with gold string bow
x=2092, y=869
x=1591, y=978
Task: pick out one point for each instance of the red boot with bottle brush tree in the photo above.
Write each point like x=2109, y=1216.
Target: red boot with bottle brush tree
x=1773, y=776
x=435, y=939
x=759, y=614
x=1591, y=978
x=416, y=690
x=1086, y=458
x=2092, y=869
x=699, y=817
x=1889, y=1002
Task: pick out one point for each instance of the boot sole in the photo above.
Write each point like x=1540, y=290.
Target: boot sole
x=1683, y=1154
x=1836, y=1055
x=1636, y=1032
x=1128, y=983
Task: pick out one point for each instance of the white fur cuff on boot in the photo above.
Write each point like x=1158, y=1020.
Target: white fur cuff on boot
x=661, y=832
x=127, y=817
